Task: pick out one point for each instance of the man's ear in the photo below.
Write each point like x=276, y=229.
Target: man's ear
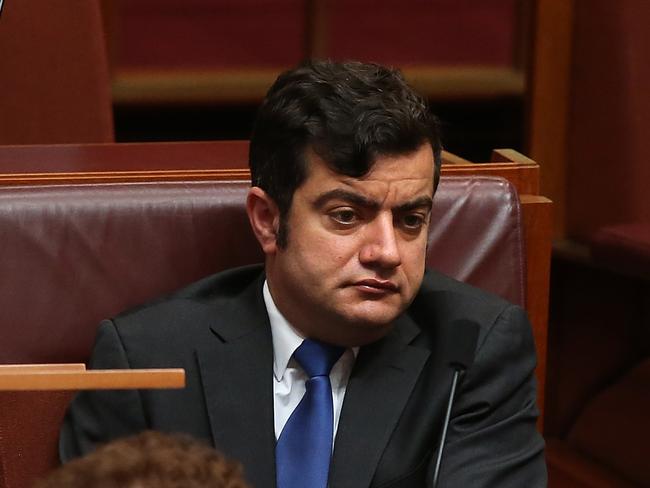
x=264, y=217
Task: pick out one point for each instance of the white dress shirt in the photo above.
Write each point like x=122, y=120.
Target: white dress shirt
x=289, y=378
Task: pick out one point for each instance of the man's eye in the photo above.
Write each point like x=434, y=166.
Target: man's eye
x=413, y=221
x=344, y=216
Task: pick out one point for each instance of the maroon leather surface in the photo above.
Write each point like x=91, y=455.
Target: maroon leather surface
x=76, y=254
x=73, y=255
x=476, y=235
x=54, y=82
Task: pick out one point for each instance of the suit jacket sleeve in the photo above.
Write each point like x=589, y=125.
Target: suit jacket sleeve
x=95, y=417
x=492, y=439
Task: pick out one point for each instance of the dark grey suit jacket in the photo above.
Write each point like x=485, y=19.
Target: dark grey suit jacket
x=218, y=330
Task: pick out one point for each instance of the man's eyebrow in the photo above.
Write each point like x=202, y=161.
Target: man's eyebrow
x=361, y=201
x=421, y=202
x=347, y=196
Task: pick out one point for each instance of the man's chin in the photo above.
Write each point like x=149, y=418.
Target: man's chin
x=356, y=329
x=364, y=333
x=378, y=319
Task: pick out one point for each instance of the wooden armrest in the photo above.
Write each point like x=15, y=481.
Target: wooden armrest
x=31, y=368
x=451, y=158
x=118, y=379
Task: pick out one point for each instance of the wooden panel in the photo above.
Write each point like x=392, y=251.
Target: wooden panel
x=29, y=380
x=177, y=161
x=141, y=87
x=537, y=216
x=525, y=178
x=607, y=173
x=122, y=176
x=549, y=100
x=54, y=80
x=449, y=158
x=483, y=65
x=138, y=156
x=316, y=31
x=95, y=163
x=510, y=156
x=519, y=170
x=29, y=432
x=32, y=368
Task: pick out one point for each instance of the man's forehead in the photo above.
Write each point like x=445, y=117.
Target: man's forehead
x=394, y=189
x=380, y=165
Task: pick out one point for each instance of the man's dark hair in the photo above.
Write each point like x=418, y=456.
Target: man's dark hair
x=348, y=113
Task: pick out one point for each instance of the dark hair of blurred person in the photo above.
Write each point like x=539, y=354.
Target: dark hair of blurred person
x=149, y=460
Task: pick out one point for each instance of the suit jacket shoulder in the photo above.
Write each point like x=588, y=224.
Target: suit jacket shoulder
x=450, y=299
x=225, y=305
x=492, y=439
x=217, y=330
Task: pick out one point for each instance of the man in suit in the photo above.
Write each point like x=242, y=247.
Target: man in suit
x=329, y=366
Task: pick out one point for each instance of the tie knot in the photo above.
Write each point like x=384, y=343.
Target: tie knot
x=317, y=358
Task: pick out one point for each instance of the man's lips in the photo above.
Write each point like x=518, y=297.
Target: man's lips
x=371, y=285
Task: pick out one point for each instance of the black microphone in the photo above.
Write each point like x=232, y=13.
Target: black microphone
x=460, y=352
x=1, y=3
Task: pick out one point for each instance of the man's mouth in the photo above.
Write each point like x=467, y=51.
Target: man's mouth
x=376, y=287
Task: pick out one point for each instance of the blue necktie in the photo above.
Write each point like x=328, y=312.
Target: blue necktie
x=304, y=449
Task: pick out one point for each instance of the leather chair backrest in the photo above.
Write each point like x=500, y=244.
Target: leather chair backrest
x=73, y=255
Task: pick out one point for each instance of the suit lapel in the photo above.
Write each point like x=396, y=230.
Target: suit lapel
x=385, y=370
x=236, y=372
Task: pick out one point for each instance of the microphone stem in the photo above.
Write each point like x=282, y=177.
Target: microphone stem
x=443, y=435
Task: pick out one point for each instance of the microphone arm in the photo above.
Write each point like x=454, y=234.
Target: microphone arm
x=460, y=349
x=445, y=425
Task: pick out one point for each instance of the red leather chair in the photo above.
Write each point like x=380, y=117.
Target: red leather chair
x=73, y=254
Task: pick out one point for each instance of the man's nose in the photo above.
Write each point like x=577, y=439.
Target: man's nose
x=381, y=244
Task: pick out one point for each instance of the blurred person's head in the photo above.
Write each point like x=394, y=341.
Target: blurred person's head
x=149, y=460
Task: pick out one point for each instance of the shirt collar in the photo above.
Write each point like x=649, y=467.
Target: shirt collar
x=286, y=339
